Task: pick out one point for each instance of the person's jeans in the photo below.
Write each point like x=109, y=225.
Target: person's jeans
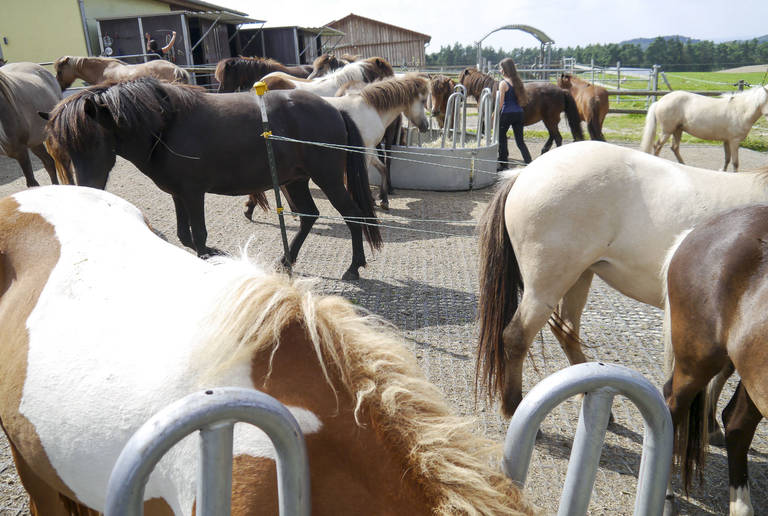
x=515, y=120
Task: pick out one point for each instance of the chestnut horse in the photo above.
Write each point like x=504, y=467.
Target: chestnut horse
x=591, y=100
x=545, y=103
x=95, y=70
x=25, y=90
x=583, y=209
x=99, y=333
x=190, y=143
x=716, y=319
x=327, y=63
x=440, y=88
x=240, y=73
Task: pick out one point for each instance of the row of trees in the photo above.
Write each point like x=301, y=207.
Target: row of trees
x=673, y=54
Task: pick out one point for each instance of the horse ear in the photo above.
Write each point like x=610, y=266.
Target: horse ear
x=44, y=115
x=98, y=112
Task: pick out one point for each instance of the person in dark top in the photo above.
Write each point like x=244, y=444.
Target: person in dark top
x=512, y=98
x=154, y=49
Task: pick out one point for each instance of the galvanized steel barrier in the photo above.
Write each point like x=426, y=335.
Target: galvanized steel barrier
x=601, y=383
x=213, y=413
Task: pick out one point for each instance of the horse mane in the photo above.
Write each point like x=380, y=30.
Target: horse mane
x=390, y=391
x=391, y=93
x=142, y=105
x=441, y=84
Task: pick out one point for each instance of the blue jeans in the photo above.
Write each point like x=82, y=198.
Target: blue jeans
x=516, y=121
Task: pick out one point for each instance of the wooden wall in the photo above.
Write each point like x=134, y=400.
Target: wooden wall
x=370, y=39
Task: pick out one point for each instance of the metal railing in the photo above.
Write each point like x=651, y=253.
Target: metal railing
x=601, y=383
x=213, y=413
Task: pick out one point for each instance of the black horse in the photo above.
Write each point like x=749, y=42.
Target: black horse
x=190, y=142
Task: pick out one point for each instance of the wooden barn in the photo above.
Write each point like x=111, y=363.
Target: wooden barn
x=368, y=38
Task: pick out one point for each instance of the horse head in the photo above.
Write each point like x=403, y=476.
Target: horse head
x=416, y=110
x=323, y=65
x=564, y=81
x=380, y=67
x=65, y=71
x=441, y=88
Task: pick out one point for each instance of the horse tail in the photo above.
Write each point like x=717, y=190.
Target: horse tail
x=500, y=286
x=181, y=75
x=572, y=114
x=691, y=439
x=595, y=121
x=649, y=131
x=357, y=183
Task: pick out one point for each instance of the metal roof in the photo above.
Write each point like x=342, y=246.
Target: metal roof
x=221, y=16
x=533, y=31
x=205, y=6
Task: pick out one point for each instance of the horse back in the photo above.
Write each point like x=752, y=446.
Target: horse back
x=26, y=89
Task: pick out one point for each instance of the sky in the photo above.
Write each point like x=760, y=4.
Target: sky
x=567, y=22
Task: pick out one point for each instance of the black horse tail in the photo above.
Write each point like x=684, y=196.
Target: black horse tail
x=691, y=439
x=500, y=287
x=595, y=123
x=357, y=183
x=572, y=114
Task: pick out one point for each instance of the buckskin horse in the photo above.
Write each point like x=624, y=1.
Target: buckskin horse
x=95, y=70
x=716, y=320
x=240, y=73
x=583, y=209
x=191, y=143
x=591, y=100
x=99, y=333
x=25, y=90
x=728, y=118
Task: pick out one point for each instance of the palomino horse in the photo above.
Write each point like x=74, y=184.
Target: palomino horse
x=716, y=319
x=95, y=70
x=190, y=142
x=591, y=100
x=727, y=118
x=376, y=106
x=239, y=73
x=545, y=103
x=365, y=70
x=327, y=63
x=25, y=90
x=583, y=209
x=77, y=378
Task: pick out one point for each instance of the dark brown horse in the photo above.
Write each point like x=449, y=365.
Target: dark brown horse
x=717, y=296
x=591, y=100
x=239, y=73
x=545, y=103
x=190, y=143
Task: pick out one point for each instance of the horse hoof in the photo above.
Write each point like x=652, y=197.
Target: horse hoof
x=670, y=506
x=248, y=214
x=351, y=275
x=717, y=438
x=384, y=206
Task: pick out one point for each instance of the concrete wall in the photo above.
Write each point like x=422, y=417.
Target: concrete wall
x=40, y=30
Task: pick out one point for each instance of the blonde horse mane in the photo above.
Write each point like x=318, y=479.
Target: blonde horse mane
x=391, y=93
x=448, y=461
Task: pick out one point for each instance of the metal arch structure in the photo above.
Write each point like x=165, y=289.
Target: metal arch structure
x=545, y=41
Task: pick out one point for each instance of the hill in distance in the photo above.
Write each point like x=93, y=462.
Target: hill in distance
x=644, y=42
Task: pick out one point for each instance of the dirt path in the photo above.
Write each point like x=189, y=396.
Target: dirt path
x=425, y=283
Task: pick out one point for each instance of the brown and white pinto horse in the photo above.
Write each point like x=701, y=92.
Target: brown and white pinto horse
x=591, y=100
x=716, y=319
x=99, y=332
x=95, y=70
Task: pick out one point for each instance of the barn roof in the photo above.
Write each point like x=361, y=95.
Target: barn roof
x=376, y=22
x=200, y=5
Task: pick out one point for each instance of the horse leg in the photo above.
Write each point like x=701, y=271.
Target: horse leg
x=727, y=151
x=50, y=166
x=734, y=146
x=343, y=203
x=663, y=137
x=716, y=436
x=26, y=168
x=300, y=195
x=554, y=135
x=568, y=318
x=182, y=222
x=676, y=136
x=373, y=160
x=194, y=203
x=741, y=418
x=43, y=499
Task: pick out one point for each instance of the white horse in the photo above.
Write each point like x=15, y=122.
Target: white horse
x=583, y=209
x=375, y=106
x=727, y=118
x=365, y=70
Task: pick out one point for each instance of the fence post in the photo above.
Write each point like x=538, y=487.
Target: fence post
x=618, y=81
x=654, y=83
x=260, y=89
x=592, y=66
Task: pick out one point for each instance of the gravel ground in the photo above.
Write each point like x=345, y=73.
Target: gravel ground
x=425, y=283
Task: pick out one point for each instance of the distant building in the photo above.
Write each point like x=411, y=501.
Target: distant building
x=289, y=45
x=369, y=38
x=43, y=30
